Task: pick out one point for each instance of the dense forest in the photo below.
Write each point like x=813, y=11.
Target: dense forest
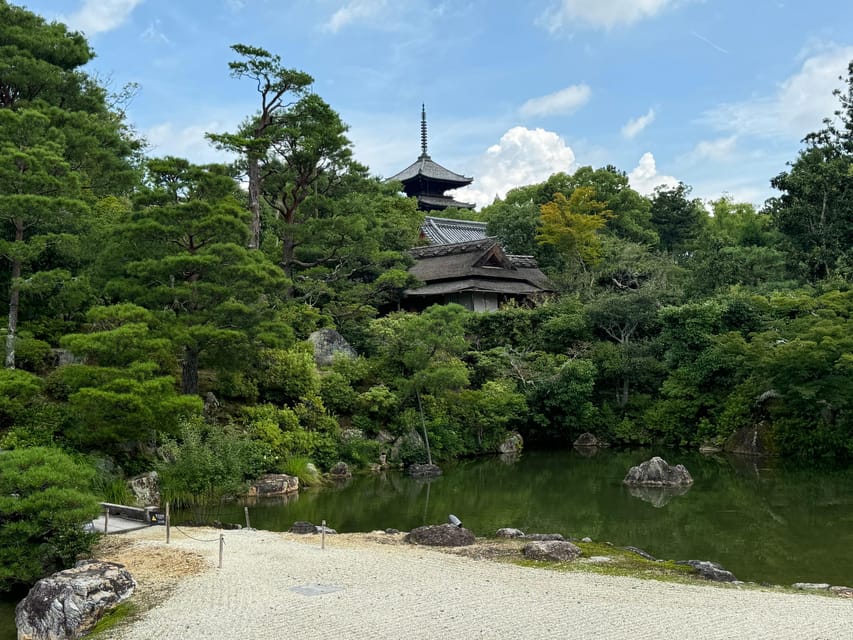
x=138, y=287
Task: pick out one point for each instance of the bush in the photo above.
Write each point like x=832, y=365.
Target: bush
x=44, y=502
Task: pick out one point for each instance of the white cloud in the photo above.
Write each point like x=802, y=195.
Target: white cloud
x=601, y=13
x=523, y=156
x=98, y=16
x=718, y=150
x=563, y=101
x=155, y=33
x=798, y=106
x=168, y=139
x=645, y=177
x=635, y=125
x=354, y=11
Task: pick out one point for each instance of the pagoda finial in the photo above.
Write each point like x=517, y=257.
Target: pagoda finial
x=423, y=130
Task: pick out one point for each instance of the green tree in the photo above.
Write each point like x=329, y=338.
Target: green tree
x=677, y=219
x=184, y=245
x=44, y=502
x=276, y=86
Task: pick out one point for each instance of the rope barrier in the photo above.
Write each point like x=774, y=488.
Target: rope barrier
x=191, y=537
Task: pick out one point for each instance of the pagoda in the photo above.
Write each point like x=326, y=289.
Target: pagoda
x=427, y=180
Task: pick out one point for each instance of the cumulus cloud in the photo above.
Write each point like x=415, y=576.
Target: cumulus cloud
x=645, y=177
x=521, y=157
x=601, y=13
x=354, y=11
x=564, y=101
x=798, y=106
x=635, y=125
x=98, y=16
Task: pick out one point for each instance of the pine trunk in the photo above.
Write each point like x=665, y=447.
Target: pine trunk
x=255, y=202
x=189, y=372
x=14, y=301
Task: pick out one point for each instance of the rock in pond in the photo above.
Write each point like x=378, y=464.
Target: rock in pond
x=274, y=484
x=302, y=527
x=508, y=532
x=512, y=444
x=709, y=570
x=658, y=473
x=423, y=470
x=340, y=471
x=69, y=603
x=441, y=535
x=551, y=551
x=587, y=440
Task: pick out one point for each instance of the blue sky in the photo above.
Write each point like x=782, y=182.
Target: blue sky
x=715, y=93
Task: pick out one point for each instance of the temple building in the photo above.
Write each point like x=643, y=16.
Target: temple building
x=427, y=180
x=461, y=263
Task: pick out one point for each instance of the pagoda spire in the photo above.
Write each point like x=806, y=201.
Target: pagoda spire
x=424, y=153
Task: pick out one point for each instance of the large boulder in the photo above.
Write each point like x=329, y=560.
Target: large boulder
x=327, y=344
x=512, y=444
x=273, y=484
x=551, y=551
x=441, y=535
x=658, y=473
x=509, y=532
x=68, y=604
x=754, y=440
x=709, y=570
x=146, y=489
x=340, y=471
x=587, y=439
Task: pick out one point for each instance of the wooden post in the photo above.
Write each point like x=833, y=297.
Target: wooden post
x=168, y=524
x=323, y=535
x=221, y=547
x=106, y=520
x=246, y=510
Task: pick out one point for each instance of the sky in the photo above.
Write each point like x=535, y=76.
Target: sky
x=717, y=94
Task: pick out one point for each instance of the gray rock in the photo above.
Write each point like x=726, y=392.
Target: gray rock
x=392, y=532
x=340, y=471
x=211, y=404
x=328, y=343
x=62, y=357
x=146, y=489
x=709, y=449
x=640, y=552
x=545, y=537
x=274, y=484
x=302, y=527
x=69, y=603
x=710, y=570
x=599, y=559
x=587, y=440
x=507, y=532
x=327, y=530
x=551, y=550
x=586, y=539
x=512, y=444
x=658, y=473
x=811, y=586
x=411, y=441
x=842, y=592
x=423, y=470
x=755, y=440
x=441, y=535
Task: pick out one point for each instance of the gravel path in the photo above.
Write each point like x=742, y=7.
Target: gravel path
x=275, y=586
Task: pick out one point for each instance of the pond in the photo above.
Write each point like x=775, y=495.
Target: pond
x=765, y=521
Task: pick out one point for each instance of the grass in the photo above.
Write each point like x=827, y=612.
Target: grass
x=124, y=612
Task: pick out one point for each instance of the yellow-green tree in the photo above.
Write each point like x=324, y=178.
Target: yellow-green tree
x=571, y=226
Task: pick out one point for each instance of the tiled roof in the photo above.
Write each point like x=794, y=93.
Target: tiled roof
x=424, y=166
x=444, y=202
x=448, y=231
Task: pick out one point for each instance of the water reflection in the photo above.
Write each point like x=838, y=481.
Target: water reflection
x=777, y=523
x=658, y=496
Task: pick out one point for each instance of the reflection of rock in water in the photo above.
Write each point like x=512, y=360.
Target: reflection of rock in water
x=509, y=458
x=658, y=496
x=252, y=501
x=586, y=452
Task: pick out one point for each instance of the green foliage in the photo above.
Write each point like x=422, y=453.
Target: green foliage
x=285, y=376
x=206, y=465
x=44, y=502
x=302, y=468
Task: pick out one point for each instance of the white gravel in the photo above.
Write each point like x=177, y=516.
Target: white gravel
x=275, y=586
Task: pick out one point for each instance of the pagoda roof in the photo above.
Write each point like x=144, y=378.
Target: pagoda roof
x=425, y=167
x=433, y=203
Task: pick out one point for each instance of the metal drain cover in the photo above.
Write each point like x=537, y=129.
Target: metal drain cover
x=316, y=589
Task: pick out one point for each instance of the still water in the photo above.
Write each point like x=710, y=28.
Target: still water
x=762, y=520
